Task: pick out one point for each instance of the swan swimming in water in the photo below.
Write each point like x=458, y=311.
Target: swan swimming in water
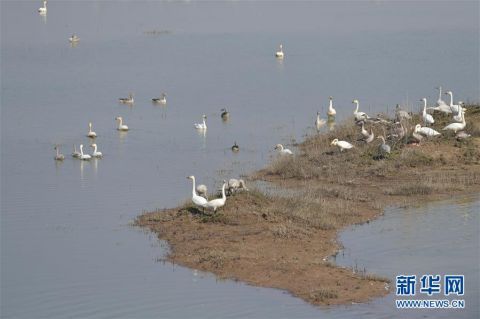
x=74, y=38
x=319, y=122
x=96, y=153
x=283, y=151
x=427, y=131
x=427, y=118
x=196, y=199
x=201, y=126
x=43, y=10
x=84, y=157
x=342, y=145
x=121, y=126
x=359, y=116
x=58, y=156
x=160, y=100
x=218, y=202
x=91, y=133
x=75, y=153
x=127, y=100
x=279, y=54
x=331, y=111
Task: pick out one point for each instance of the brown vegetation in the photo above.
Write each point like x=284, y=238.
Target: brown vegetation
x=284, y=241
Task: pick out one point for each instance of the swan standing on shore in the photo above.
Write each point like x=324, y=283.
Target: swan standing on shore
x=201, y=126
x=282, y=150
x=319, y=122
x=196, y=199
x=84, y=157
x=426, y=131
x=342, y=145
x=453, y=107
x=441, y=106
x=359, y=116
x=43, y=10
x=455, y=127
x=75, y=153
x=91, y=133
x=364, y=132
x=401, y=114
x=121, y=126
x=202, y=190
x=160, y=100
x=96, y=153
x=218, y=202
x=279, y=54
x=127, y=100
x=58, y=156
x=440, y=102
x=427, y=118
x=331, y=111
x=370, y=137
x=459, y=116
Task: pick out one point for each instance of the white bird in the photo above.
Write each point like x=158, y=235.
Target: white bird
x=201, y=126
x=196, y=199
x=426, y=131
x=459, y=116
x=236, y=185
x=454, y=108
x=127, y=100
x=331, y=111
x=160, y=100
x=359, y=116
x=401, y=114
x=440, y=102
x=384, y=147
x=279, y=54
x=58, y=156
x=218, y=202
x=121, y=126
x=370, y=137
x=462, y=135
x=91, y=133
x=342, y=145
x=74, y=38
x=75, y=153
x=96, y=153
x=202, y=190
x=364, y=132
x=43, y=10
x=319, y=122
x=441, y=105
x=84, y=157
x=282, y=150
x=455, y=127
x=427, y=118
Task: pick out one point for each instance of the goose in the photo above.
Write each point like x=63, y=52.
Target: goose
x=359, y=115
x=202, y=190
x=235, y=147
x=218, y=202
x=370, y=137
x=84, y=157
x=427, y=118
x=160, y=100
x=58, y=156
x=282, y=150
x=383, y=148
x=454, y=108
x=236, y=185
x=91, y=133
x=197, y=200
x=96, y=153
x=127, y=100
x=331, y=111
x=43, y=9
x=401, y=114
x=74, y=38
x=201, y=126
x=75, y=153
x=279, y=53
x=319, y=122
x=342, y=145
x=364, y=131
x=224, y=114
x=426, y=131
x=121, y=126
x=455, y=127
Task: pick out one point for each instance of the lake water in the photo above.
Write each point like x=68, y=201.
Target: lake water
x=67, y=247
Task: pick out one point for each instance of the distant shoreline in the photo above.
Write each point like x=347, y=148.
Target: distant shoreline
x=285, y=242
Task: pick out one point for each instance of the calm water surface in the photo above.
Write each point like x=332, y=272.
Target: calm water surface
x=67, y=247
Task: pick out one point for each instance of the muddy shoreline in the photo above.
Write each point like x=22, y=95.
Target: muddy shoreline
x=284, y=242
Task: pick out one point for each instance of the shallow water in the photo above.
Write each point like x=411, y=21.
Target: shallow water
x=67, y=247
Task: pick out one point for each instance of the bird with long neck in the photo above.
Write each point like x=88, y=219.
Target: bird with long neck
x=331, y=111
x=218, y=202
x=196, y=199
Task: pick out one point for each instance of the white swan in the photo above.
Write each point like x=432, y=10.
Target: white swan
x=96, y=153
x=58, y=156
x=75, y=153
x=74, y=38
x=453, y=107
x=279, y=54
x=218, y=202
x=370, y=137
x=121, y=126
x=401, y=114
x=319, y=122
x=160, y=100
x=43, y=10
x=342, y=145
x=364, y=132
x=127, y=100
x=331, y=111
x=282, y=150
x=84, y=157
x=201, y=126
x=359, y=116
x=91, y=133
x=427, y=118
x=427, y=131
x=459, y=116
x=196, y=199
x=235, y=185
x=441, y=106
x=455, y=127
x=202, y=190
x=440, y=102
